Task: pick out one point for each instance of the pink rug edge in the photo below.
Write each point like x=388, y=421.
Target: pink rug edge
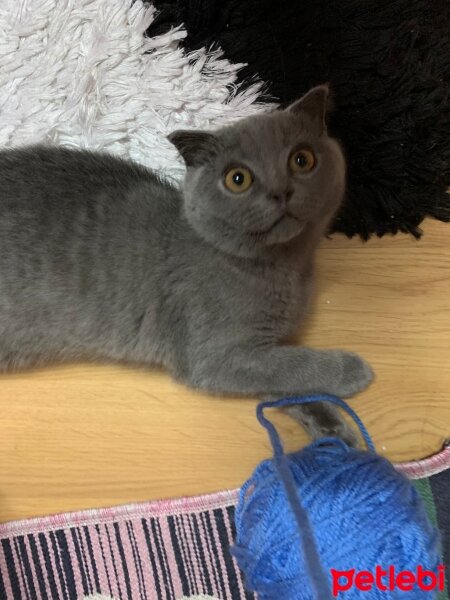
x=158, y=508
x=426, y=467
x=154, y=508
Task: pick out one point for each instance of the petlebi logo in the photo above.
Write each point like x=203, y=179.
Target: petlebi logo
x=388, y=579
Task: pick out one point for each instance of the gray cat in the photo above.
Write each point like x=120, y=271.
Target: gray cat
x=100, y=259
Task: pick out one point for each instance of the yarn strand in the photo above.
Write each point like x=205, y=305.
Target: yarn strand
x=311, y=553
x=312, y=557
x=296, y=400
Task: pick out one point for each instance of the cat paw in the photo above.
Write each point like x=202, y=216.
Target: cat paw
x=356, y=375
x=342, y=431
x=322, y=420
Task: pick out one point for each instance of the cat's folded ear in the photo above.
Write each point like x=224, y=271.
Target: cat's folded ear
x=316, y=104
x=196, y=147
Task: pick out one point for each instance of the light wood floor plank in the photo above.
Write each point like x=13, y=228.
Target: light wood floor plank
x=90, y=436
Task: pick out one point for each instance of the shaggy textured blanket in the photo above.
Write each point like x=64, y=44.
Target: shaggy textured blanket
x=389, y=65
x=83, y=74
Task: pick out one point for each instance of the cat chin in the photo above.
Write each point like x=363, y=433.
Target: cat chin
x=247, y=244
x=285, y=231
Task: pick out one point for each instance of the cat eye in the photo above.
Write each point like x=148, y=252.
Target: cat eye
x=238, y=179
x=302, y=161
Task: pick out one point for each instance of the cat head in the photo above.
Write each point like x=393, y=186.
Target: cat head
x=264, y=181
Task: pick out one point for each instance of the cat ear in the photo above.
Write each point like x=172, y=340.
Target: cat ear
x=194, y=146
x=316, y=104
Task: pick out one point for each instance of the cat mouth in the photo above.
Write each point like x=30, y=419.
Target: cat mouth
x=265, y=232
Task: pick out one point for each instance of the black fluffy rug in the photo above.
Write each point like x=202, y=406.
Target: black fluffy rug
x=389, y=64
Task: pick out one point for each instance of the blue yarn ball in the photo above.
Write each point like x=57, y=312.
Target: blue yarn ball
x=362, y=511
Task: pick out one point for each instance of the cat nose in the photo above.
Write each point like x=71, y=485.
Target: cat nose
x=282, y=197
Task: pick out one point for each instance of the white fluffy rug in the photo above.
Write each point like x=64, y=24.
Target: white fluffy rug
x=81, y=73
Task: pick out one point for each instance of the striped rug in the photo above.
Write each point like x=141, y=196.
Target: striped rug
x=152, y=551
x=170, y=550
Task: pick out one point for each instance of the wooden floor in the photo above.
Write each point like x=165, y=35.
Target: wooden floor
x=90, y=436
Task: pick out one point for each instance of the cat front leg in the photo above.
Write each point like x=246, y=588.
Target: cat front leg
x=284, y=370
